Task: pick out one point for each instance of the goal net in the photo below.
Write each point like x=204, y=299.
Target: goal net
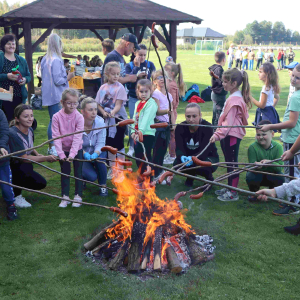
x=208, y=47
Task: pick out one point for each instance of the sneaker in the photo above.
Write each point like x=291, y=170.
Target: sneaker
x=169, y=161
x=293, y=229
x=221, y=192
x=110, y=174
x=252, y=199
x=11, y=213
x=20, y=201
x=64, y=203
x=52, y=151
x=77, y=198
x=287, y=210
x=229, y=196
x=157, y=177
x=130, y=151
x=103, y=192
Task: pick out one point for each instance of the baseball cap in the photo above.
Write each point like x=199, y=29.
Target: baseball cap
x=291, y=65
x=169, y=59
x=129, y=37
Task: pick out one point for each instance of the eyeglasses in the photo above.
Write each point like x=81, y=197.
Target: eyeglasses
x=72, y=103
x=159, y=77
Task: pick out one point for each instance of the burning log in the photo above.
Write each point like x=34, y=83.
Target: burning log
x=109, y=251
x=97, y=239
x=135, y=251
x=146, y=255
x=157, y=249
x=196, y=253
x=117, y=261
x=173, y=261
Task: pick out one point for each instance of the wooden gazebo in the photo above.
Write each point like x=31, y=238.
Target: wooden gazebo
x=112, y=15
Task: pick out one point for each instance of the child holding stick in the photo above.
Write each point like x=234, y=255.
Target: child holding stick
x=111, y=98
x=144, y=115
x=290, y=128
x=176, y=87
x=235, y=112
x=69, y=120
x=269, y=95
x=162, y=135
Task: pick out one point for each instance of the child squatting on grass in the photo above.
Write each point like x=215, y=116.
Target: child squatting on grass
x=290, y=128
x=144, y=115
x=69, y=120
x=235, y=112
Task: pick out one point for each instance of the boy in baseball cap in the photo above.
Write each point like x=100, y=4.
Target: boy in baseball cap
x=290, y=68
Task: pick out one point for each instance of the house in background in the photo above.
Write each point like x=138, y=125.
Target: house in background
x=191, y=35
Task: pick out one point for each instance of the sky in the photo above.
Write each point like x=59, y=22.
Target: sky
x=228, y=16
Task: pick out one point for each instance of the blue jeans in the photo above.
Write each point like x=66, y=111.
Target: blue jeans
x=251, y=64
x=7, y=191
x=53, y=109
x=245, y=63
x=131, y=106
x=230, y=61
x=93, y=170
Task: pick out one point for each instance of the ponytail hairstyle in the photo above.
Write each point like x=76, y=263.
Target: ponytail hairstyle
x=108, y=67
x=272, y=79
x=84, y=101
x=241, y=77
x=17, y=113
x=176, y=68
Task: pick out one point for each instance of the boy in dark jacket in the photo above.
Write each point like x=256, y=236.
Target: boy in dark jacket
x=218, y=94
x=191, y=140
x=5, y=172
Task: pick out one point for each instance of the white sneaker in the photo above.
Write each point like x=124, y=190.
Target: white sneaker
x=77, y=198
x=52, y=151
x=157, y=177
x=169, y=160
x=20, y=201
x=64, y=203
x=130, y=151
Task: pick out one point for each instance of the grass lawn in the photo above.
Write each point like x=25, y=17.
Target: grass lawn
x=42, y=253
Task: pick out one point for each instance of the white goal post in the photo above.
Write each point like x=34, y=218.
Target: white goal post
x=208, y=47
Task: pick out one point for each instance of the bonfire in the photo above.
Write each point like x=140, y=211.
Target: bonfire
x=153, y=237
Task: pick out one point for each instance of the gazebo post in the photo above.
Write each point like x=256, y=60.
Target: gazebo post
x=15, y=31
x=173, y=40
x=141, y=36
x=28, y=56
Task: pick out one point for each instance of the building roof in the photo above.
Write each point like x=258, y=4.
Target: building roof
x=199, y=32
x=90, y=11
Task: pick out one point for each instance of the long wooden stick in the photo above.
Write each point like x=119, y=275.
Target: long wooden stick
x=216, y=126
x=114, y=209
x=213, y=182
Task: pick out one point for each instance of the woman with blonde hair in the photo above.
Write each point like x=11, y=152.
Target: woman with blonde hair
x=55, y=80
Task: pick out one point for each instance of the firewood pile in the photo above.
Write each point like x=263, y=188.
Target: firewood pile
x=154, y=236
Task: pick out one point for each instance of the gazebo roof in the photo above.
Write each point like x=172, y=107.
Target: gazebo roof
x=96, y=12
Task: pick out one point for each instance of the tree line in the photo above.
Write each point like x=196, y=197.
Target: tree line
x=265, y=32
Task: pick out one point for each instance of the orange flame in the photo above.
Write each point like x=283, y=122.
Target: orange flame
x=143, y=206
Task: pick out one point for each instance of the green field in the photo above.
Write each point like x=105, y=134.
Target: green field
x=42, y=253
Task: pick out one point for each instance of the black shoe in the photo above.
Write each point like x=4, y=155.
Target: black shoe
x=189, y=182
x=252, y=199
x=11, y=213
x=293, y=229
x=103, y=192
x=285, y=211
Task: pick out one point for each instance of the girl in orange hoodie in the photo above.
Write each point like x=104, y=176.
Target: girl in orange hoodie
x=235, y=112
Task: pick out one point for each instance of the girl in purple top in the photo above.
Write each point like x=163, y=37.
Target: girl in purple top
x=55, y=81
x=162, y=135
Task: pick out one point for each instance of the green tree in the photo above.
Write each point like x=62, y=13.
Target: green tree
x=254, y=29
x=296, y=37
x=266, y=31
x=238, y=37
x=248, y=40
x=288, y=35
x=278, y=32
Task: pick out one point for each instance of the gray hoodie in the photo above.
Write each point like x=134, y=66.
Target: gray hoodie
x=95, y=140
x=288, y=189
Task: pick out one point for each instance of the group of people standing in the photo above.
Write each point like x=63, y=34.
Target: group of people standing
x=244, y=57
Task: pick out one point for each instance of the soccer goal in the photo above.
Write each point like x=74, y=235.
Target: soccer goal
x=208, y=47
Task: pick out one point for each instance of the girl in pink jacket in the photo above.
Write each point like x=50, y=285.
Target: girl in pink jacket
x=235, y=112
x=69, y=120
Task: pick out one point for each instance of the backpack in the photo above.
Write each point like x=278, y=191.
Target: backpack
x=36, y=102
x=192, y=91
x=206, y=94
x=132, y=65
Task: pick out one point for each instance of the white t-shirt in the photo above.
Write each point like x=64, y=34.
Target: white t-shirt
x=270, y=94
x=238, y=54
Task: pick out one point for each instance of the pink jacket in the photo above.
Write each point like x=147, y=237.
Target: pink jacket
x=63, y=124
x=235, y=113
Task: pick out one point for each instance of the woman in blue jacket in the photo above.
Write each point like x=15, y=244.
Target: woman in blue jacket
x=9, y=60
